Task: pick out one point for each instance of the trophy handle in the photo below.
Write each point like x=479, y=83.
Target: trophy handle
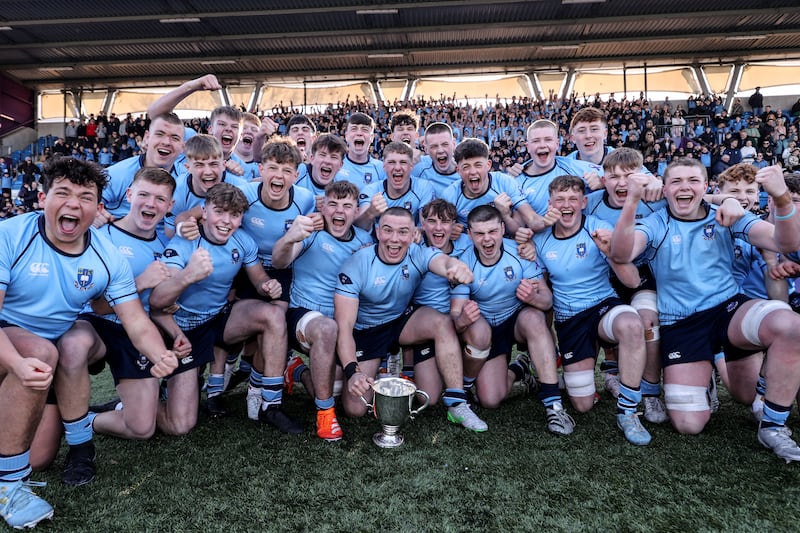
x=371, y=408
x=416, y=411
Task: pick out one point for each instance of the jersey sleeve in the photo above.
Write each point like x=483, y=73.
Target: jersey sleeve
x=350, y=278
x=121, y=285
x=177, y=253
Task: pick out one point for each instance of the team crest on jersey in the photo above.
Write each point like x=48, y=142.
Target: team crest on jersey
x=156, y=255
x=404, y=271
x=407, y=205
x=287, y=224
x=142, y=362
x=509, y=273
x=169, y=252
x=235, y=256
x=708, y=231
x=737, y=252
x=580, y=250
x=344, y=279
x=84, y=280
x=368, y=177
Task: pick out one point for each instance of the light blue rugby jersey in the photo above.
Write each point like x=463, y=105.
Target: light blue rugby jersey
x=45, y=288
x=427, y=171
x=435, y=291
x=749, y=270
x=578, y=270
x=498, y=183
x=691, y=261
x=139, y=252
x=418, y=195
x=384, y=291
x=317, y=266
x=203, y=300
x=252, y=172
x=576, y=155
x=495, y=287
x=597, y=205
x=186, y=198
x=306, y=181
x=120, y=177
x=266, y=225
x=535, y=188
x=361, y=174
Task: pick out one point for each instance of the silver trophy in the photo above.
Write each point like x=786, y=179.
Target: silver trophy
x=392, y=406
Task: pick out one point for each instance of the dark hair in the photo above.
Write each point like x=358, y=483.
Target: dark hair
x=398, y=148
x=441, y=209
x=228, y=197
x=483, y=213
x=438, y=127
x=331, y=143
x=398, y=212
x=77, y=171
x=403, y=118
x=341, y=189
x=566, y=182
x=469, y=148
x=228, y=111
x=302, y=120
x=361, y=119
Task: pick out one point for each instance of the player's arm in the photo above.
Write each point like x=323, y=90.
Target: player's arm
x=264, y=285
x=627, y=243
x=288, y=247
x=345, y=314
x=535, y=293
x=787, y=223
x=166, y=293
x=451, y=268
x=464, y=313
x=369, y=212
x=146, y=338
x=188, y=222
x=777, y=289
x=168, y=102
x=32, y=372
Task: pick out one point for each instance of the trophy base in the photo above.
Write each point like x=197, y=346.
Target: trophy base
x=382, y=440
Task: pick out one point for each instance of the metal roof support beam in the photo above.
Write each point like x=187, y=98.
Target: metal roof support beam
x=733, y=86
x=534, y=85
x=701, y=78
x=255, y=96
x=377, y=92
x=569, y=83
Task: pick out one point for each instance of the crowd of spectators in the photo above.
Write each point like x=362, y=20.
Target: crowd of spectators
x=699, y=127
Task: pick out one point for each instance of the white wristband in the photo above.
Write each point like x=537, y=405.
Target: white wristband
x=178, y=229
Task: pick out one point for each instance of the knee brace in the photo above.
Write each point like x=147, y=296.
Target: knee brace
x=685, y=397
x=580, y=383
x=645, y=300
x=302, y=324
x=475, y=353
x=755, y=315
x=607, y=322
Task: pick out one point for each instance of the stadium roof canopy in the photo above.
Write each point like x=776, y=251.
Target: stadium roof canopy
x=53, y=44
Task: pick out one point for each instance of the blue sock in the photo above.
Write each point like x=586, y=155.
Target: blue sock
x=468, y=382
x=244, y=365
x=408, y=372
x=272, y=391
x=629, y=399
x=216, y=384
x=549, y=394
x=761, y=386
x=298, y=371
x=231, y=359
x=80, y=430
x=650, y=389
x=609, y=367
x=454, y=397
x=323, y=404
x=774, y=415
x=518, y=370
x=256, y=378
x=15, y=467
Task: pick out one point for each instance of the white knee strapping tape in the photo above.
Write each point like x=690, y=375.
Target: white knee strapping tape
x=302, y=324
x=685, y=397
x=645, y=300
x=607, y=322
x=580, y=383
x=475, y=353
x=755, y=315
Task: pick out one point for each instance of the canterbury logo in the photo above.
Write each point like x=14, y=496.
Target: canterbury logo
x=39, y=269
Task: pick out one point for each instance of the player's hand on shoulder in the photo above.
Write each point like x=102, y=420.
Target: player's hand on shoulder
x=302, y=226
x=190, y=229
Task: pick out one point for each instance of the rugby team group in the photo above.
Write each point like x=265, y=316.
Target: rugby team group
x=210, y=254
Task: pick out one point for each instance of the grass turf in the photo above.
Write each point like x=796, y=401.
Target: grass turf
x=235, y=475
